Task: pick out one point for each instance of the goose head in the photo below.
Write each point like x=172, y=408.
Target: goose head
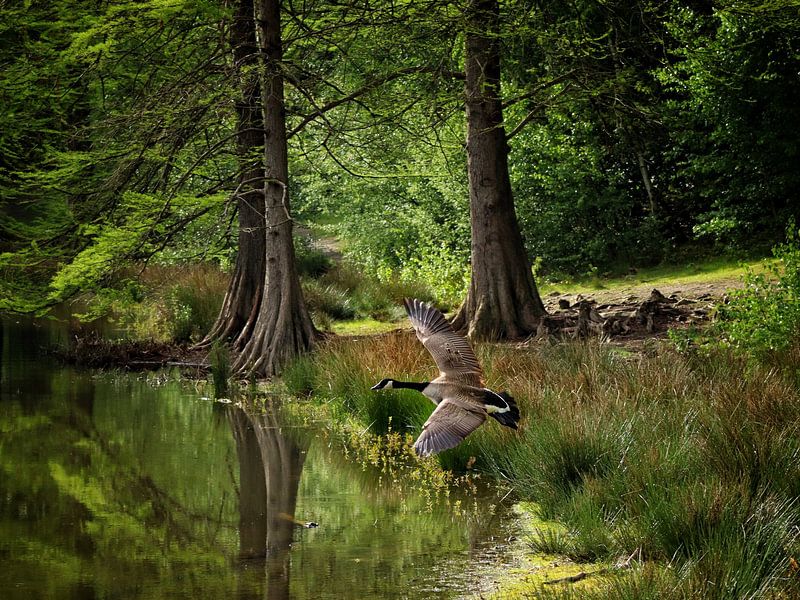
x=383, y=384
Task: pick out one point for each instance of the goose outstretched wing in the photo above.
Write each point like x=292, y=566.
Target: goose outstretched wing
x=450, y=351
x=448, y=425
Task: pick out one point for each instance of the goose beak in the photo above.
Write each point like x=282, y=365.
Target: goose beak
x=377, y=386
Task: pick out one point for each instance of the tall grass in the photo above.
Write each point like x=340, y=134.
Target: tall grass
x=343, y=372
x=176, y=303
x=692, y=461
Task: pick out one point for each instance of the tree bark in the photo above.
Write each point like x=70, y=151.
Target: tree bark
x=243, y=297
x=282, y=328
x=502, y=301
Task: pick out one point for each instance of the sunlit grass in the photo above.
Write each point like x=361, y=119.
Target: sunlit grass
x=366, y=326
x=706, y=271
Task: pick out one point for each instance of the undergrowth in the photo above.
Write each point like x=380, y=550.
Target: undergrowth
x=691, y=461
x=344, y=292
x=180, y=303
x=172, y=303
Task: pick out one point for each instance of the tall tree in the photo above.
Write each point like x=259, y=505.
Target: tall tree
x=243, y=297
x=502, y=300
x=281, y=328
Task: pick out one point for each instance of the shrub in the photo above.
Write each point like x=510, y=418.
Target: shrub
x=764, y=317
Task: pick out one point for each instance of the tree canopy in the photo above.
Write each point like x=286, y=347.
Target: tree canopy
x=636, y=131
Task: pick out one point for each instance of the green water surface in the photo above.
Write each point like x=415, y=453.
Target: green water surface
x=136, y=486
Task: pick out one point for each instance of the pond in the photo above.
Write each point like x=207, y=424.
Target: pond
x=136, y=486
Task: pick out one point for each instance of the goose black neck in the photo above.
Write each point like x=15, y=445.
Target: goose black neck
x=411, y=385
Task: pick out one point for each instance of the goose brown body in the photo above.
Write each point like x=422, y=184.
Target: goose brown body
x=463, y=403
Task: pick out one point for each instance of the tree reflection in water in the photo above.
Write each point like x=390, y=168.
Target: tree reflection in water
x=271, y=457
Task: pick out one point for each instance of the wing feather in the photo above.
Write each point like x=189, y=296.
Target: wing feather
x=451, y=352
x=447, y=426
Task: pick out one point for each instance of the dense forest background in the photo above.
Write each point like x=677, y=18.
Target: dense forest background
x=638, y=132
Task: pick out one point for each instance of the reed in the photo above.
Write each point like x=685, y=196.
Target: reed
x=220, y=362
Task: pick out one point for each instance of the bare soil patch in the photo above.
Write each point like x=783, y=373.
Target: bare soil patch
x=631, y=314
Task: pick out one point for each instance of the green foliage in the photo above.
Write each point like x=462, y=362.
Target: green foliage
x=764, y=316
x=116, y=145
x=107, y=132
x=406, y=230
x=732, y=113
x=575, y=208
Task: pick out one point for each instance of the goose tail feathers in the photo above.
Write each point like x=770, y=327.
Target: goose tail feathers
x=509, y=418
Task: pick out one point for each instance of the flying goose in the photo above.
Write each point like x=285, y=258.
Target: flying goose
x=462, y=402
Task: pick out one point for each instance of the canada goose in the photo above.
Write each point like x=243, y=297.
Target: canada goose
x=462, y=403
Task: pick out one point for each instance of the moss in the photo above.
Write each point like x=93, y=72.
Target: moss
x=547, y=576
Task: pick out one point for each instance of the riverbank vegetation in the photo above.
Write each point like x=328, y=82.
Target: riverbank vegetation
x=688, y=460
x=682, y=455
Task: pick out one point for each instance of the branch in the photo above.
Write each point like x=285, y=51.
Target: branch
x=532, y=114
x=542, y=86
x=372, y=85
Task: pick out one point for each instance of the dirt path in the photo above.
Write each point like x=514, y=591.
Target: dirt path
x=330, y=246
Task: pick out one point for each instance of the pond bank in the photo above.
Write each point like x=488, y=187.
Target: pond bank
x=684, y=463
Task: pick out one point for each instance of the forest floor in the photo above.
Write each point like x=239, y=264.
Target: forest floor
x=700, y=290
x=622, y=311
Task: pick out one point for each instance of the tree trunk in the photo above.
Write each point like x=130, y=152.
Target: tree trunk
x=502, y=301
x=283, y=327
x=243, y=297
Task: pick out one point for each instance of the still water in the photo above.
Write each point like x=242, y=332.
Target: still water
x=136, y=486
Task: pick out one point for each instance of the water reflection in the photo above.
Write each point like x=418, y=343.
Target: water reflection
x=116, y=486
x=271, y=458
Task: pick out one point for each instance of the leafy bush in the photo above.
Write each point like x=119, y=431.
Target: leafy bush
x=764, y=317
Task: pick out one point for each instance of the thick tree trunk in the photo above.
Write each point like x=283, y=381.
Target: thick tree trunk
x=502, y=301
x=283, y=327
x=243, y=297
